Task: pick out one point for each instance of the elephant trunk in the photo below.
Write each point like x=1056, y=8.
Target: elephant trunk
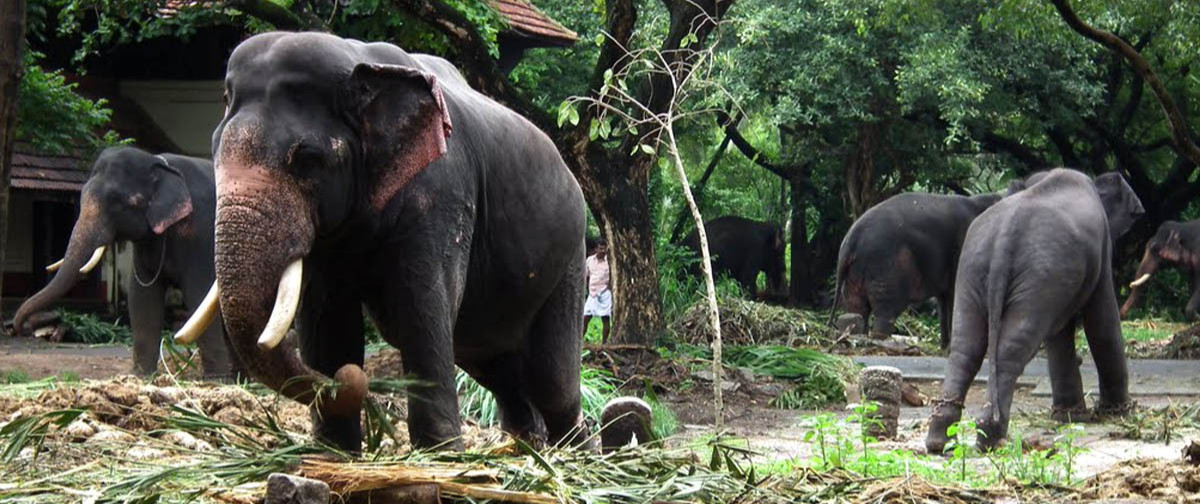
x=90, y=235
x=1147, y=267
x=264, y=229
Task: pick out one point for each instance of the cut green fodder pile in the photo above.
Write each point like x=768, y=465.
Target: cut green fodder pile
x=746, y=322
x=1166, y=480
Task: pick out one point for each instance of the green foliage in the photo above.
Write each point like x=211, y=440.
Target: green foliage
x=820, y=379
x=88, y=328
x=53, y=117
x=596, y=387
x=960, y=433
x=14, y=376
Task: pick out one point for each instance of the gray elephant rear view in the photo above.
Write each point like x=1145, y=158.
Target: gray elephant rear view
x=1031, y=267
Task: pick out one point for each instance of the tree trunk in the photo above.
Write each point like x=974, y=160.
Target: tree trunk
x=12, y=59
x=800, y=284
x=620, y=202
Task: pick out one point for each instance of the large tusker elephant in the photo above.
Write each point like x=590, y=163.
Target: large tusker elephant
x=164, y=205
x=741, y=248
x=1032, y=266
x=340, y=184
x=1175, y=244
x=904, y=251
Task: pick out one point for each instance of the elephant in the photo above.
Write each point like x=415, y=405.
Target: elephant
x=1032, y=266
x=1174, y=244
x=164, y=204
x=743, y=247
x=904, y=251
x=357, y=174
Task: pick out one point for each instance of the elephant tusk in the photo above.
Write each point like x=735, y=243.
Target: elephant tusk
x=1141, y=280
x=201, y=318
x=99, y=253
x=287, y=298
x=52, y=267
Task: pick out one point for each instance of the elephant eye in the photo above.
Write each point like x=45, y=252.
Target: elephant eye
x=305, y=156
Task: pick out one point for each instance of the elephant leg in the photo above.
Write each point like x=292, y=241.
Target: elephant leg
x=967, y=349
x=1020, y=336
x=945, y=316
x=1065, y=382
x=417, y=317
x=553, y=365
x=883, y=317
x=146, y=319
x=503, y=376
x=1102, y=325
x=215, y=356
x=1194, y=302
x=330, y=331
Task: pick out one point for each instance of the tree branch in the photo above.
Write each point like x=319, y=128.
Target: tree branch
x=751, y=153
x=1030, y=158
x=1181, y=134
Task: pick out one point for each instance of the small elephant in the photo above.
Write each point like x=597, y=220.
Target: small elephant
x=741, y=248
x=1032, y=266
x=1175, y=244
x=164, y=205
x=904, y=251
x=352, y=173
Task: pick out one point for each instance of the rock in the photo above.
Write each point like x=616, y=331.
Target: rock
x=852, y=323
x=288, y=489
x=728, y=382
x=911, y=396
x=427, y=493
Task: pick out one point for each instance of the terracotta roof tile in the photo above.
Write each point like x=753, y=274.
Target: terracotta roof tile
x=528, y=20
x=523, y=17
x=47, y=172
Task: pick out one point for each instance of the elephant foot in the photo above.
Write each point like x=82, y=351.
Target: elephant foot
x=945, y=414
x=1110, y=410
x=1078, y=413
x=991, y=435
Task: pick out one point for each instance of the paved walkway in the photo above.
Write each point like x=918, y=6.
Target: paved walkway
x=1147, y=376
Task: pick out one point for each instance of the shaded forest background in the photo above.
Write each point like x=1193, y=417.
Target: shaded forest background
x=827, y=107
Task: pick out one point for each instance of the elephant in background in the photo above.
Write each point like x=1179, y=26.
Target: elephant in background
x=1032, y=266
x=743, y=247
x=353, y=173
x=164, y=205
x=1175, y=244
x=904, y=251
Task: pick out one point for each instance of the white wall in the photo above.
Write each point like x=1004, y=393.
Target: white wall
x=187, y=111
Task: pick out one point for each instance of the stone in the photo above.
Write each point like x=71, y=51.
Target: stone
x=288, y=489
x=852, y=323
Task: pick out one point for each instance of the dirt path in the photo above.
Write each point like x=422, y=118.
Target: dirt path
x=39, y=359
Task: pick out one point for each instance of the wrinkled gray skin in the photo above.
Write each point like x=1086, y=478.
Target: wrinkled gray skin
x=741, y=248
x=1032, y=266
x=331, y=151
x=133, y=197
x=1176, y=244
x=904, y=251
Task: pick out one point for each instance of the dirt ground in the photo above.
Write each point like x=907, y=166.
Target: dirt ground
x=774, y=434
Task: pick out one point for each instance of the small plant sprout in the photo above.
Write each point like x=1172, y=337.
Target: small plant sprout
x=959, y=432
x=1066, y=448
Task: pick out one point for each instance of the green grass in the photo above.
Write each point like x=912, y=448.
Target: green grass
x=1150, y=329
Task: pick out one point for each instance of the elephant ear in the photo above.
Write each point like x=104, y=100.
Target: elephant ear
x=403, y=122
x=171, y=200
x=1172, y=248
x=1121, y=204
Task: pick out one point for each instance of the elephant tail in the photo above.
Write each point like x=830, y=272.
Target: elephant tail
x=837, y=291
x=999, y=273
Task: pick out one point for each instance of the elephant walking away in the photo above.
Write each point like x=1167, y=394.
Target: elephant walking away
x=1175, y=244
x=353, y=173
x=164, y=206
x=904, y=251
x=1032, y=266
x=741, y=248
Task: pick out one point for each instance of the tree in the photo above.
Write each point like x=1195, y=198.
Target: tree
x=12, y=64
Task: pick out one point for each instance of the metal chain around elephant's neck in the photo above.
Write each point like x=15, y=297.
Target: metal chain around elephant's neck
x=161, y=259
